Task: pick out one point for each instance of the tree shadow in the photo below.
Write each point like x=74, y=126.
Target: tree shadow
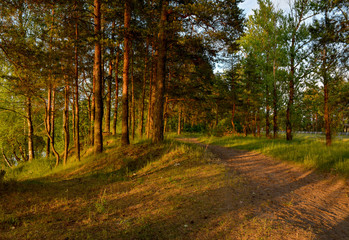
x=339, y=231
x=104, y=205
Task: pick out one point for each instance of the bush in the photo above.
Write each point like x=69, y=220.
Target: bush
x=199, y=128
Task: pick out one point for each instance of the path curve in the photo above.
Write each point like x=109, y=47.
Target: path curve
x=294, y=196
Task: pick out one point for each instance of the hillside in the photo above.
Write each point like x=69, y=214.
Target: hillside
x=174, y=190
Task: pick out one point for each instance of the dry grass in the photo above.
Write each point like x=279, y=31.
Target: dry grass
x=169, y=191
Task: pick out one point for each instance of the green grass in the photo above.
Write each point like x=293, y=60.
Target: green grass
x=308, y=150
x=171, y=190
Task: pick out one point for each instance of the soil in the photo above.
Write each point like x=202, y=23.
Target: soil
x=314, y=204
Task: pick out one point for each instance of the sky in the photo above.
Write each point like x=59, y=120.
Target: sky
x=248, y=5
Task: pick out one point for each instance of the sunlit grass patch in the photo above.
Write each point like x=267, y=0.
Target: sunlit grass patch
x=308, y=151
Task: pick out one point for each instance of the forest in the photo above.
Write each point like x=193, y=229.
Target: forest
x=83, y=82
x=74, y=72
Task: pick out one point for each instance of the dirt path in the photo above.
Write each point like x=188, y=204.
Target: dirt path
x=295, y=198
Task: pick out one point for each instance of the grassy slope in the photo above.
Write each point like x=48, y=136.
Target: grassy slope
x=306, y=150
x=139, y=192
x=169, y=191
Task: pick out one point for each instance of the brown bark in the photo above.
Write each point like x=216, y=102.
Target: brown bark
x=98, y=137
x=23, y=154
x=179, y=126
x=254, y=125
x=49, y=101
x=141, y=129
x=165, y=114
x=46, y=123
x=275, y=115
x=326, y=104
x=73, y=116
x=108, y=100
x=52, y=117
x=77, y=116
x=267, y=121
x=49, y=97
x=133, y=110
x=6, y=160
x=232, y=117
x=92, y=129
x=15, y=154
x=289, y=109
x=115, y=117
x=151, y=91
x=66, y=123
x=158, y=123
x=258, y=125
x=30, y=130
x=127, y=42
x=89, y=116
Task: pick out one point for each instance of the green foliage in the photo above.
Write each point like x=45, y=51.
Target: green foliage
x=198, y=128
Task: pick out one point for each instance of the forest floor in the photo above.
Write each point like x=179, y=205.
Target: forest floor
x=175, y=190
x=312, y=205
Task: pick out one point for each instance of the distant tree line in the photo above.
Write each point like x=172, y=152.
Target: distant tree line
x=291, y=72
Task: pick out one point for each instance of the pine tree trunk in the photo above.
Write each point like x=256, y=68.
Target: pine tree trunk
x=89, y=117
x=289, y=109
x=127, y=42
x=267, y=121
x=115, y=117
x=141, y=128
x=179, y=126
x=53, y=110
x=158, y=122
x=275, y=115
x=92, y=129
x=49, y=101
x=98, y=133
x=108, y=100
x=254, y=128
x=326, y=105
x=66, y=123
x=30, y=130
x=73, y=117
x=258, y=125
x=165, y=114
x=77, y=117
x=151, y=91
x=47, y=122
x=232, y=117
x=133, y=110
x=153, y=97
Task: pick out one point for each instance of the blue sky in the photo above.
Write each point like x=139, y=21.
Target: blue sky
x=248, y=5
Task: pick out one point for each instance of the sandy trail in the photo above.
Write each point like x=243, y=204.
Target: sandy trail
x=288, y=194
